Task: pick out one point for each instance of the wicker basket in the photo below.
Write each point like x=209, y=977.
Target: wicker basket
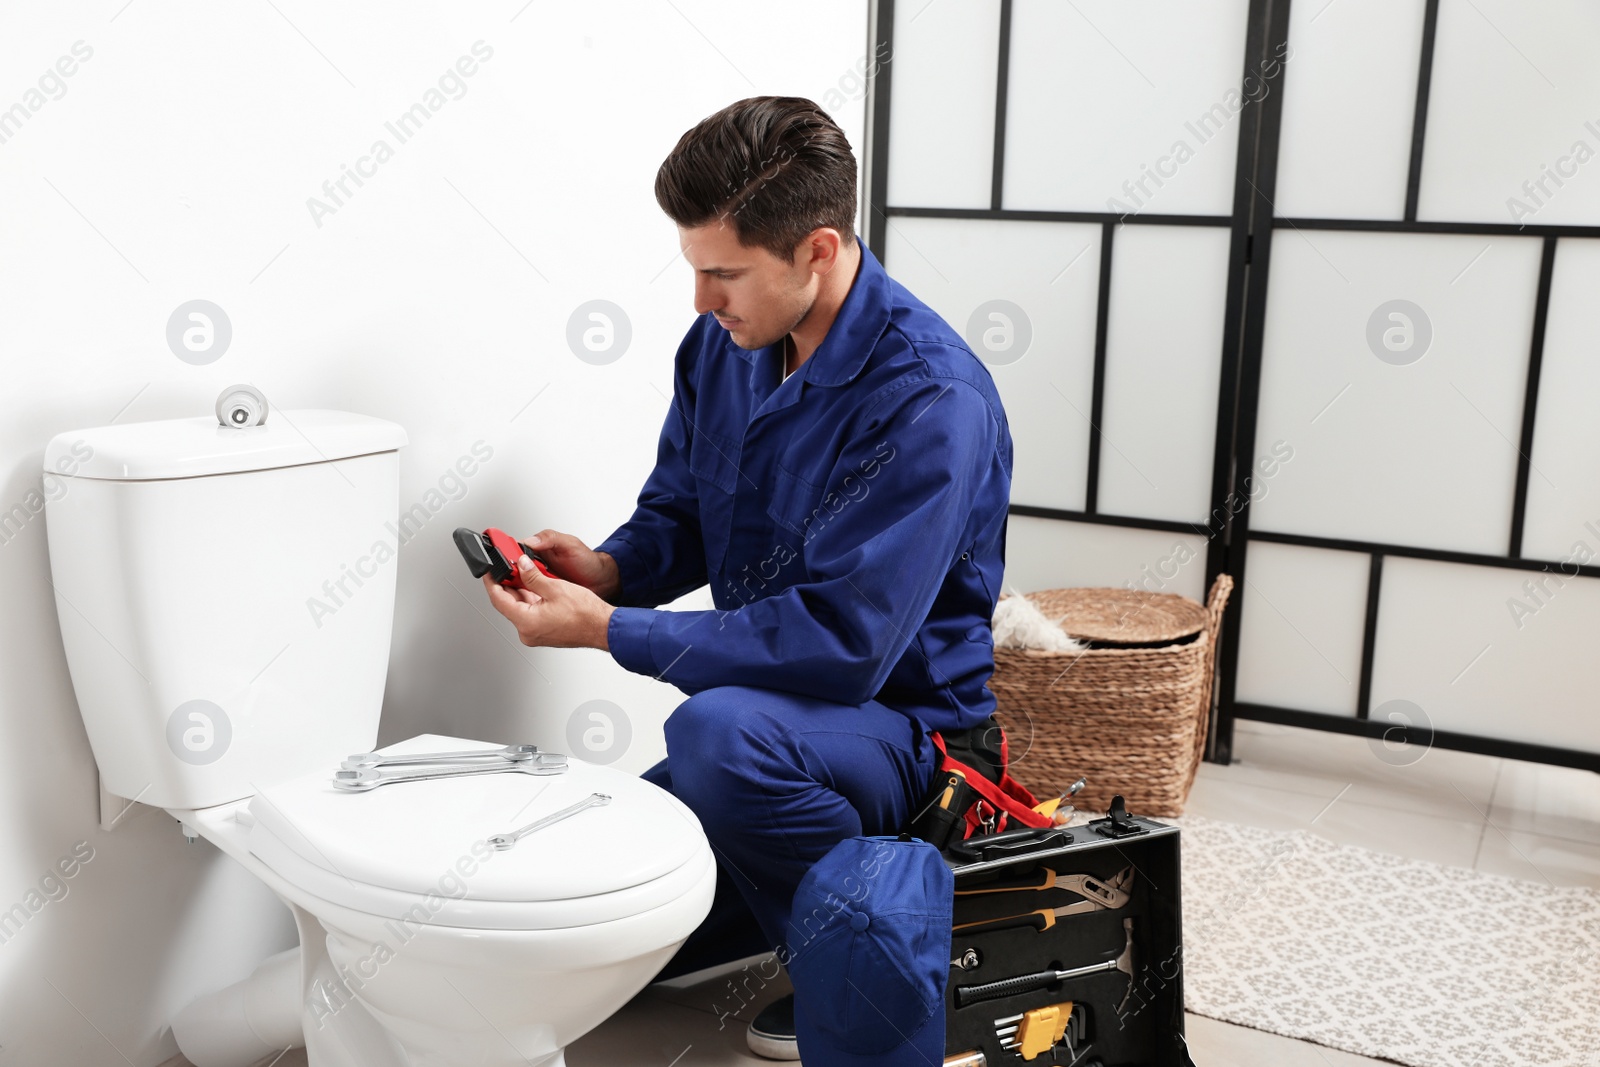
x=1129, y=713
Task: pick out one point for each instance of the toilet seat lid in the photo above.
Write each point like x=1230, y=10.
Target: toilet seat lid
x=430, y=837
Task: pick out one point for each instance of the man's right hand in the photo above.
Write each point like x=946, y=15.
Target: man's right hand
x=571, y=559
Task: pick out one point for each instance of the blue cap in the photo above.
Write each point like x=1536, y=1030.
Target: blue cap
x=869, y=955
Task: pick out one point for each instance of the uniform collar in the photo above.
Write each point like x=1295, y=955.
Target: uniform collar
x=852, y=337
x=855, y=330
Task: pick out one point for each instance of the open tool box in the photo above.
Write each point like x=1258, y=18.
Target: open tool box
x=1067, y=947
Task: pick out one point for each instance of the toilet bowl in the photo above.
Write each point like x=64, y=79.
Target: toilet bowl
x=422, y=944
x=228, y=694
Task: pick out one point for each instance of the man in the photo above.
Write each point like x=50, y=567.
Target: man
x=836, y=464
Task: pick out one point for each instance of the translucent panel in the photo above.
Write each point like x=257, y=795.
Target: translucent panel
x=1348, y=103
x=941, y=103
x=1490, y=651
x=1392, y=380
x=1300, y=635
x=1024, y=296
x=1129, y=100
x=1054, y=554
x=1563, y=480
x=1163, y=361
x=1513, y=131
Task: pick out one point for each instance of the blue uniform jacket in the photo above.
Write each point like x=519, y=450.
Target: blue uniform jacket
x=851, y=520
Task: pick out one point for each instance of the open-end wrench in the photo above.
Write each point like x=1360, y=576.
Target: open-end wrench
x=362, y=779
x=385, y=759
x=506, y=840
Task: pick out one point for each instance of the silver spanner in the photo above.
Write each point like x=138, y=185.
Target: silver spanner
x=385, y=759
x=361, y=779
x=593, y=800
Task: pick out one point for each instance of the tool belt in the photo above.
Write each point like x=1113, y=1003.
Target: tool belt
x=973, y=791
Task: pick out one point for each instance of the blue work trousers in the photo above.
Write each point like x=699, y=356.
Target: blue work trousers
x=777, y=780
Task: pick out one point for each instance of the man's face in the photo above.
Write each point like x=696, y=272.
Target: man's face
x=756, y=296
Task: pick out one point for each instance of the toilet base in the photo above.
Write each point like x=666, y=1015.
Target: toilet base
x=367, y=991
x=265, y=1014
x=247, y=1021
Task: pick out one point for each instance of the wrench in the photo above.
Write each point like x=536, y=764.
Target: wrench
x=362, y=779
x=380, y=759
x=506, y=840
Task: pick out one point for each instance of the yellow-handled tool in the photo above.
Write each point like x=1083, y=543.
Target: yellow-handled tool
x=1037, y=1031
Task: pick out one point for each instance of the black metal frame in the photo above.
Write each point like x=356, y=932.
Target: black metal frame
x=1251, y=225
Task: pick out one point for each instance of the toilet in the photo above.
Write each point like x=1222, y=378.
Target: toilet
x=226, y=595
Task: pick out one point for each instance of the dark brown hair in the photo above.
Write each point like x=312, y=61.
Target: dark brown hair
x=777, y=166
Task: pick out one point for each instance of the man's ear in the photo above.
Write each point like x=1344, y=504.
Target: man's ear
x=819, y=250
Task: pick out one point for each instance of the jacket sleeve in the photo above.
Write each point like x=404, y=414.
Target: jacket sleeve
x=878, y=541
x=659, y=552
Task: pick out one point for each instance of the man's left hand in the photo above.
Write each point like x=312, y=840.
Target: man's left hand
x=549, y=612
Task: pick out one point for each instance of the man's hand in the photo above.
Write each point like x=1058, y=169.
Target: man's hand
x=569, y=558
x=550, y=612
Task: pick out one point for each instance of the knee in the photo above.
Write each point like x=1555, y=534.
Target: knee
x=715, y=724
x=720, y=736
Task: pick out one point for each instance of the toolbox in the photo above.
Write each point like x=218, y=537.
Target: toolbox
x=1067, y=947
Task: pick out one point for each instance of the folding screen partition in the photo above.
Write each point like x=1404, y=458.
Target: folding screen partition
x=1306, y=294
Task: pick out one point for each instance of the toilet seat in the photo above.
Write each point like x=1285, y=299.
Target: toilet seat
x=418, y=851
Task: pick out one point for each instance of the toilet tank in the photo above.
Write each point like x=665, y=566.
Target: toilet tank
x=226, y=596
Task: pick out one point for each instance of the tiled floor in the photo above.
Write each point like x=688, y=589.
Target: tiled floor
x=1523, y=820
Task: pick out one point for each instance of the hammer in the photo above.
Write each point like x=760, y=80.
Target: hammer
x=966, y=996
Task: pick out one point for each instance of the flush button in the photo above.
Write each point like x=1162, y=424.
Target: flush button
x=241, y=406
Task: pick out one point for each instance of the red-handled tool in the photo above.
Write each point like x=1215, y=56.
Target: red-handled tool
x=495, y=553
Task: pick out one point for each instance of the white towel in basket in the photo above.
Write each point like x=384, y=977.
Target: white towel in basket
x=1020, y=624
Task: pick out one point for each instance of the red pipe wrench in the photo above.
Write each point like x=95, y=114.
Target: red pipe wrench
x=495, y=552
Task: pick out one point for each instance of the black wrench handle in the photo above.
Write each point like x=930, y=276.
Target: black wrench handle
x=968, y=995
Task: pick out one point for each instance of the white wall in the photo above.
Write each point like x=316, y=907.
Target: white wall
x=177, y=165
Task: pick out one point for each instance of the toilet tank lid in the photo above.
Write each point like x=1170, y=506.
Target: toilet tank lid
x=191, y=448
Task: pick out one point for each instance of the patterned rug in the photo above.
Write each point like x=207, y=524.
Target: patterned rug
x=1387, y=957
